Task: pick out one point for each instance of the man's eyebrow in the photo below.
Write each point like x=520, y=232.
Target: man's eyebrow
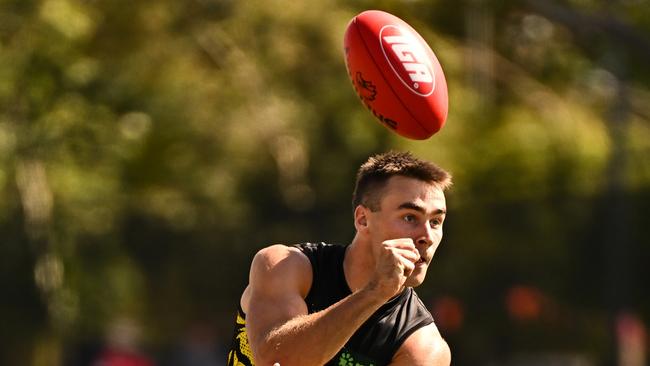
x=415, y=207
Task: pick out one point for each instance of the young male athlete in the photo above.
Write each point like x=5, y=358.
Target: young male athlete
x=322, y=304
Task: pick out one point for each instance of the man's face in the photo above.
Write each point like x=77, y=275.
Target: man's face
x=410, y=208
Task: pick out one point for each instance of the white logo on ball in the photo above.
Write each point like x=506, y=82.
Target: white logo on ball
x=412, y=57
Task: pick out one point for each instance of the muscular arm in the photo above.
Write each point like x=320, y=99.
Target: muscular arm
x=278, y=326
x=425, y=347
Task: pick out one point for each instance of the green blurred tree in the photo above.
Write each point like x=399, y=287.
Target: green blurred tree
x=148, y=149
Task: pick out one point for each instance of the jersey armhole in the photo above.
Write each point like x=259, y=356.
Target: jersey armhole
x=419, y=325
x=308, y=251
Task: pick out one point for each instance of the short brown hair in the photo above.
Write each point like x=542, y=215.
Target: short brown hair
x=375, y=172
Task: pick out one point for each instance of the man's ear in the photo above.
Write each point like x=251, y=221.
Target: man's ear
x=361, y=217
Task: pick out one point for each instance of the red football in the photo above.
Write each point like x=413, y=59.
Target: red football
x=396, y=74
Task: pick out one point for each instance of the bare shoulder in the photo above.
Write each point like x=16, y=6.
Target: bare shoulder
x=280, y=258
x=274, y=254
x=276, y=268
x=425, y=347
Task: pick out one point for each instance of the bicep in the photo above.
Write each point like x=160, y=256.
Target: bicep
x=280, y=277
x=425, y=347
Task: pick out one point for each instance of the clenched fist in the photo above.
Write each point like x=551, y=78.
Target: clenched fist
x=394, y=261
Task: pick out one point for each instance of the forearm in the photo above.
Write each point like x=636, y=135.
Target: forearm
x=314, y=339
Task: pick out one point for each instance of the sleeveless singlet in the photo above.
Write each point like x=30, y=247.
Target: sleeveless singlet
x=375, y=342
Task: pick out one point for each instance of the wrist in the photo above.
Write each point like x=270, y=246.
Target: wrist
x=375, y=293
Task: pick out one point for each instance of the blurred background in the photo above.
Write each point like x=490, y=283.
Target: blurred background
x=149, y=148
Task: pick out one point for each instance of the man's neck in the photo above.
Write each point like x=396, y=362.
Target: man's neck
x=358, y=264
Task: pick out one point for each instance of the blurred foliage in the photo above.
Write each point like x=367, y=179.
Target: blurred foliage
x=149, y=148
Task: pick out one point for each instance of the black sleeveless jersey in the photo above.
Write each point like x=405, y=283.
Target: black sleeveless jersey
x=376, y=341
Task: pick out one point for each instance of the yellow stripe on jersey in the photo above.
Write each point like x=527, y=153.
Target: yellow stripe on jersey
x=240, y=354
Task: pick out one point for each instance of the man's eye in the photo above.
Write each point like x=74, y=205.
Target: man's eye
x=409, y=218
x=436, y=222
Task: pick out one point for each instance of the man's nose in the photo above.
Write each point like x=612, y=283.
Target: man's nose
x=426, y=237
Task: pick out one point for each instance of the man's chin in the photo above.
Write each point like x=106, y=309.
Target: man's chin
x=414, y=281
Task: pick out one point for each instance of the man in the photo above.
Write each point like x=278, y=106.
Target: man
x=322, y=304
